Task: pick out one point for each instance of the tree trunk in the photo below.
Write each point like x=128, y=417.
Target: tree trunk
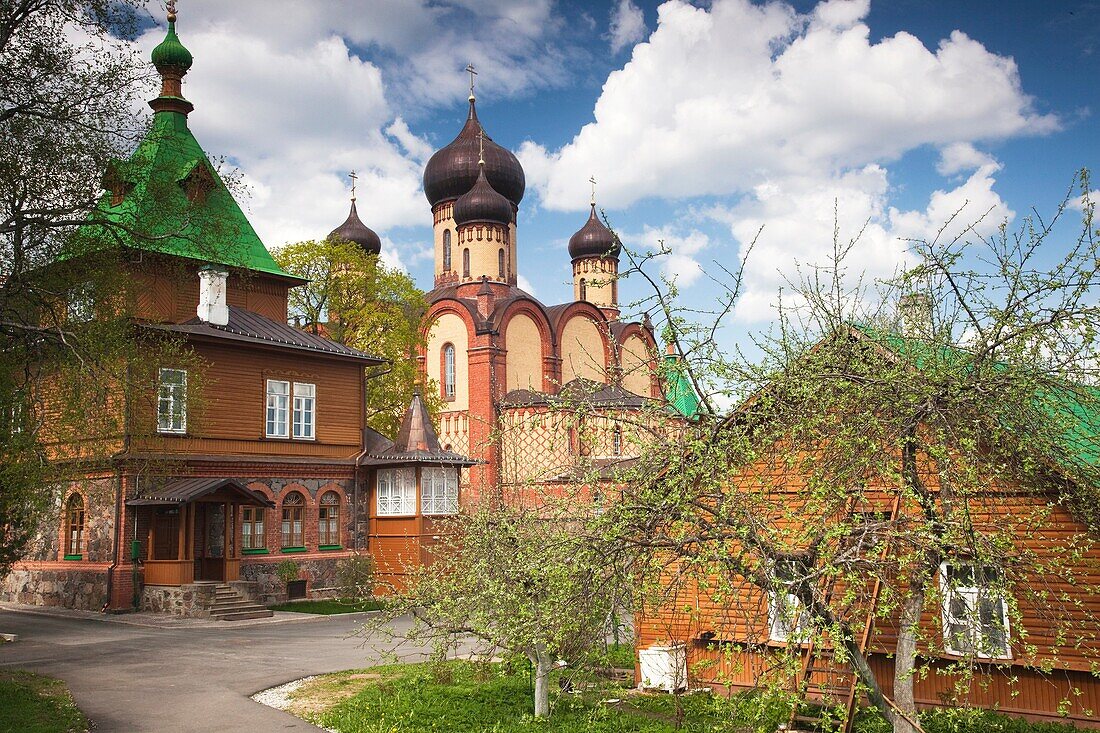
x=905, y=657
x=541, y=662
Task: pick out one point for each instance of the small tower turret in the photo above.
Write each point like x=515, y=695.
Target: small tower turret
x=483, y=218
x=595, y=250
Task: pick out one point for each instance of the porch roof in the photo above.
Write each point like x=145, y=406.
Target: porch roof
x=183, y=490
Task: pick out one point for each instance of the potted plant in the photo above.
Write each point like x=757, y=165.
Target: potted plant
x=287, y=571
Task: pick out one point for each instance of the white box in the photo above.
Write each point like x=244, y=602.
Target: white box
x=664, y=667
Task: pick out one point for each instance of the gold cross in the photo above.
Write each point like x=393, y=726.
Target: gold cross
x=592, y=180
x=470, y=70
x=480, y=146
x=171, y=7
x=353, y=178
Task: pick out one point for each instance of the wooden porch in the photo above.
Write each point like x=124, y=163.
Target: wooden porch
x=194, y=530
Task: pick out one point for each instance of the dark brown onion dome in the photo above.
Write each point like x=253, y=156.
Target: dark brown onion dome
x=452, y=170
x=594, y=240
x=482, y=203
x=354, y=230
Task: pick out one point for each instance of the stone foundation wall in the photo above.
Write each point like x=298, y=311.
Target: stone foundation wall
x=320, y=576
x=185, y=601
x=81, y=588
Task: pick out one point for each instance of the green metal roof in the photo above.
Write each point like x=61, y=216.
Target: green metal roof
x=173, y=200
x=1073, y=409
x=678, y=390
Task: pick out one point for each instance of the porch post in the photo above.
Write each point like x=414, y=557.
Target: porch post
x=181, y=531
x=149, y=552
x=228, y=522
x=191, y=508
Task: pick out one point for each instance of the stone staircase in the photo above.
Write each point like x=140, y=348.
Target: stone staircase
x=230, y=605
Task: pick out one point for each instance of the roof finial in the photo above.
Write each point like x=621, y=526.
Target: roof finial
x=481, y=146
x=170, y=6
x=592, y=180
x=353, y=178
x=472, y=72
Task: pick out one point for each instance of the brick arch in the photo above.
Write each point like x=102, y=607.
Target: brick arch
x=620, y=337
x=566, y=350
x=537, y=316
x=461, y=336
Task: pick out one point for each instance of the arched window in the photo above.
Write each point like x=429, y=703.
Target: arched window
x=328, y=518
x=293, y=506
x=500, y=263
x=466, y=263
x=446, y=250
x=74, y=527
x=448, y=371
x=584, y=290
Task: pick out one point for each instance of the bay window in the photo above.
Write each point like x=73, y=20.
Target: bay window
x=396, y=491
x=439, y=490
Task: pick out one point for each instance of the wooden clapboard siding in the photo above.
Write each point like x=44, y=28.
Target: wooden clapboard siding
x=228, y=413
x=739, y=618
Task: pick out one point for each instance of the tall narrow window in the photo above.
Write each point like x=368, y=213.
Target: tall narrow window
x=81, y=304
x=328, y=518
x=293, y=507
x=74, y=527
x=305, y=396
x=446, y=250
x=252, y=518
x=449, y=371
x=975, y=612
x=439, y=490
x=396, y=491
x=172, y=401
x=500, y=263
x=278, y=408
x=584, y=290
x=617, y=440
x=465, y=263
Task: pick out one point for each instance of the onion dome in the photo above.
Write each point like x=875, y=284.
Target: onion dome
x=594, y=240
x=171, y=55
x=482, y=203
x=453, y=170
x=354, y=230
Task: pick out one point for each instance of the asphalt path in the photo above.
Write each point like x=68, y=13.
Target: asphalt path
x=133, y=679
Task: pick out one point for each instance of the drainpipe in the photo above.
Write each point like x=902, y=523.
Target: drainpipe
x=118, y=485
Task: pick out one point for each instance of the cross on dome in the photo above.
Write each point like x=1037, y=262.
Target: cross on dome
x=170, y=6
x=592, y=180
x=472, y=72
x=353, y=178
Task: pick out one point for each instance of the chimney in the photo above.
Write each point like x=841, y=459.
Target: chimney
x=915, y=310
x=212, y=306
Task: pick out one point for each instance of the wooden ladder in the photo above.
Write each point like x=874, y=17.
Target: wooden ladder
x=841, y=682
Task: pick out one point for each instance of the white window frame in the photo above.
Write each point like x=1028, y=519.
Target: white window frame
x=395, y=492
x=277, y=410
x=972, y=595
x=782, y=608
x=174, y=396
x=80, y=305
x=439, y=490
x=305, y=411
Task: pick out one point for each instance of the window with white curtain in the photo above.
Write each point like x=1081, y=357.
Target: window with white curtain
x=975, y=612
x=172, y=401
x=439, y=490
x=396, y=491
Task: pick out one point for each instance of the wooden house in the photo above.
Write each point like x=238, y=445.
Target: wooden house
x=239, y=457
x=1024, y=643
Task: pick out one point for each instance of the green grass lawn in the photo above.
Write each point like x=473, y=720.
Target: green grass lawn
x=328, y=606
x=33, y=703
x=461, y=697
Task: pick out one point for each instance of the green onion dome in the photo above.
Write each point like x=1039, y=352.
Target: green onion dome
x=171, y=55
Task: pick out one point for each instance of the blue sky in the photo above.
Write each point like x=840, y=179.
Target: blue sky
x=701, y=121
